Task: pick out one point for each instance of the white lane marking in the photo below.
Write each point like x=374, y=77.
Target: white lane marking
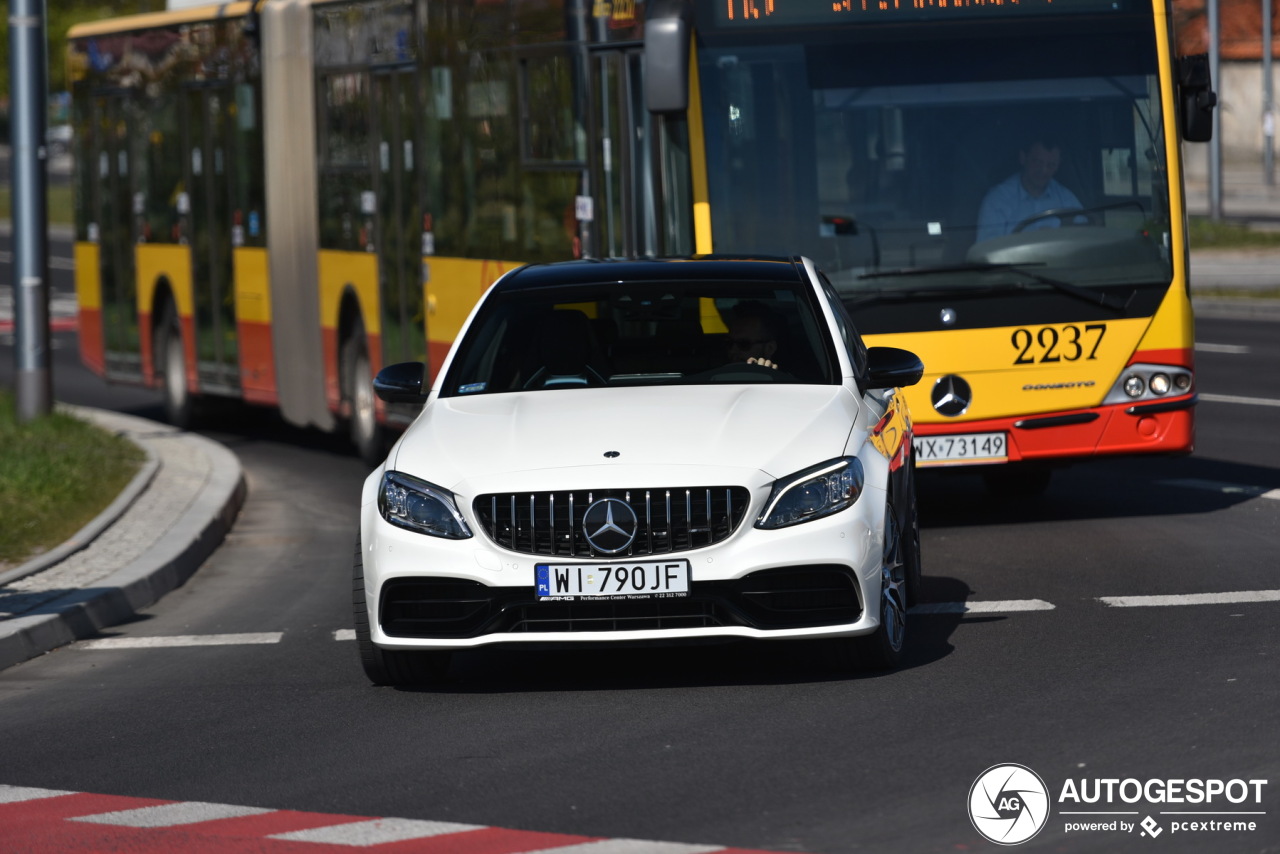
x=344, y=635
x=18, y=794
x=376, y=831
x=629, y=846
x=183, y=640
x=1235, y=349
x=991, y=607
x=1191, y=599
x=170, y=815
x=56, y=262
x=1223, y=487
x=1231, y=398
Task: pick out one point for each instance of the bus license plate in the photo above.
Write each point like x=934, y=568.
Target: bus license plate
x=658, y=579
x=961, y=449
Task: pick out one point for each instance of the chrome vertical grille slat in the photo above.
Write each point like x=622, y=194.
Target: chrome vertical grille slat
x=550, y=523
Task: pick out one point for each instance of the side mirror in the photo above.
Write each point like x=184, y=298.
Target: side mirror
x=401, y=383
x=1196, y=98
x=889, y=367
x=668, y=29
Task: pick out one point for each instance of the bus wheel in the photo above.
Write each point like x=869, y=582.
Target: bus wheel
x=388, y=666
x=366, y=433
x=179, y=408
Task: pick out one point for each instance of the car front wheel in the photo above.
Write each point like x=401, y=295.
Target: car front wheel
x=882, y=649
x=388, y=666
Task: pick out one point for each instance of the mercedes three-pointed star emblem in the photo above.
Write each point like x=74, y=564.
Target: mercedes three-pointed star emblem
x=610, y=525
x=951, y=396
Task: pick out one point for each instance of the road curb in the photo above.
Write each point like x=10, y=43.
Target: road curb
x=162, y=567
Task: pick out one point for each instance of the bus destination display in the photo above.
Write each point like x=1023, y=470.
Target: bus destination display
x=780, y=13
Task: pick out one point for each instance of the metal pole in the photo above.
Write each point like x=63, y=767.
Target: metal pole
x=1215, y=145
x=1268, y=115
x=33, y=384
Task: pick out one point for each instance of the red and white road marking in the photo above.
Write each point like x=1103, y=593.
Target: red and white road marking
x=49, y=821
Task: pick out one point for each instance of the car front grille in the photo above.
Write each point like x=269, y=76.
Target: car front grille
x=670, y=520
x=791, y=597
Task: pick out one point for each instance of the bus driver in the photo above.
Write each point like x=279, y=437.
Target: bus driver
x=1029, y=192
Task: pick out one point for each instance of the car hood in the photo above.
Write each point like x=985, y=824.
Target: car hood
x=773, y=429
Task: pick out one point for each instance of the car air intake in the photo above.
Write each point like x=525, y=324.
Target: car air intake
x=785, y=598
x=668, y=519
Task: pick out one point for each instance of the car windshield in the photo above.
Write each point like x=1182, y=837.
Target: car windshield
x=930, y=156
x=642, y=334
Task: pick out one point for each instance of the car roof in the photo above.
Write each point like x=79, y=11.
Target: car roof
x=762, y=268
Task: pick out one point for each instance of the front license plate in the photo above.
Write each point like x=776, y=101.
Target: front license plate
x=634, y=580
x=971, y=448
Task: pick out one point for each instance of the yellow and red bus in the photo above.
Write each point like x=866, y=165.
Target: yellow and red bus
x=275, y=198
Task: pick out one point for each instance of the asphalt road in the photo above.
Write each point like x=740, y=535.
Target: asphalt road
x=751, y=746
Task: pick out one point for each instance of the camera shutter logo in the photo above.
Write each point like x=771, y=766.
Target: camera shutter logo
x=1008, y=804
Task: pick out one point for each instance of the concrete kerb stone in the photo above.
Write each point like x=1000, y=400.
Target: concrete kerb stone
x=163, y=559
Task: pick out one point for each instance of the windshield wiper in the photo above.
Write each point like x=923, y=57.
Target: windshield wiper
x=1081, y=293
x=907, y=294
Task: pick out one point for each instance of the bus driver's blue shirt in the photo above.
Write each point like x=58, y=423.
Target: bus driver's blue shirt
x=1008, y=203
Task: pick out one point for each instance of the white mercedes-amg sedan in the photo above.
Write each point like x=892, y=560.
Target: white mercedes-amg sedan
x=663, y=450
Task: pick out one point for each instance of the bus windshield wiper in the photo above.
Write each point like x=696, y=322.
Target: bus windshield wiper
x=906, y=294
x=1081, y=293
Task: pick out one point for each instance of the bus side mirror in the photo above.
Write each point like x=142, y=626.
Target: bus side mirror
x=668, y=30
x=1196, y=98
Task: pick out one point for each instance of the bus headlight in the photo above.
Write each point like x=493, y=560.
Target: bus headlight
x=1148, y=382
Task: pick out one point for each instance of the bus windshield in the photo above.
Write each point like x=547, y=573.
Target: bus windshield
x=924, y=158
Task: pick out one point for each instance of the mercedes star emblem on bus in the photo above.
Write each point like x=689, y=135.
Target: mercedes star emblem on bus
x=610, y=525
x=951, y=395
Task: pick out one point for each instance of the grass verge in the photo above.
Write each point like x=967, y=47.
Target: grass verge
x=56, y=474
x=58, y=204
x=1204, y=233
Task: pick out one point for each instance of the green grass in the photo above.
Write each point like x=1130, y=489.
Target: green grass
x=56, y=474
x=57, y=203
x=1203, y=233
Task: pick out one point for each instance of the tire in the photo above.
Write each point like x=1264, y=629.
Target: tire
x=911, y=542
x=179, y=407
x=386, y=666
x=882, y=649
x=367, y=435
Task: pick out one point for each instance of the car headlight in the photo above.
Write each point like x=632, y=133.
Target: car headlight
x=419, y=506
x=813, y=493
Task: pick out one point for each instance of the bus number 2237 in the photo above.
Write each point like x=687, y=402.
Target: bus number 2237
x=1069, y=343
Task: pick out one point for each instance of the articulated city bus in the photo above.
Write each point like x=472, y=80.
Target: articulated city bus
x=277, y=198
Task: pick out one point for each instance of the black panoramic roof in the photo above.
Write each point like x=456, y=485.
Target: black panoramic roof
x=763, y=268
